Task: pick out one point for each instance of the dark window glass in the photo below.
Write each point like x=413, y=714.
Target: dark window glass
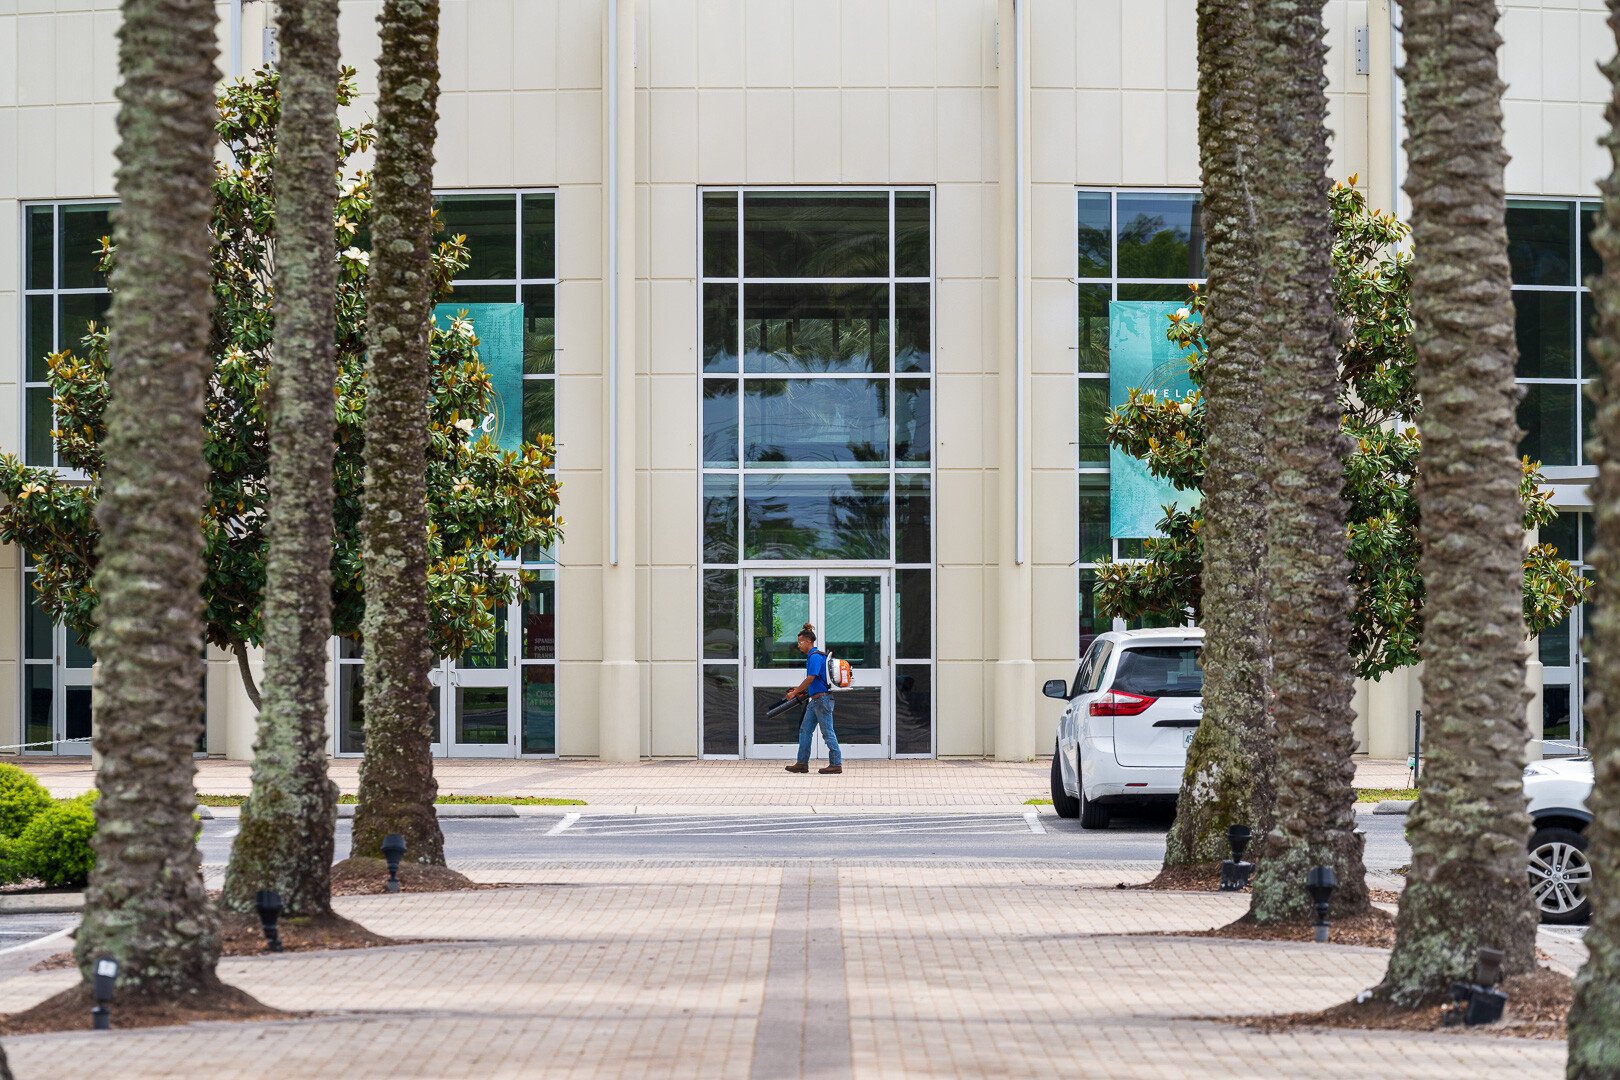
x=1561, y=534
x=913, y=518
x=539, y=236
x=1174, y=293
x=720, y=519
x=41, y=450
x=913, y=614
x=539, y=329
x=816, y=516
x=492, y=657
x=1591, y=261
x=1089, y=623
x=76, y=712
x=1095, y=238
x=37, y=625
x=720, y=234
x=911, y=248
x=1160, y=236
x=913, y=416
x=39, y=689
x=483, y=294
x=351, y=708
x=540, y=620
x=719, y=423
x=720, y=328
x=780, y=606
x=1093, y=405
x=722, y=700
x=1588, y=420
x=82, y=230
x=720, y=614
x=489, y=222
x=1172, y=671
x=79, y=654
x=799, y=423
x=1589, y=333
x=40, y=226
x=912, y=330
x=1094, y=517
x=1544, y=326
x=1555, y=713
x=74, y=314
x=539, y=709
x=913, y=709
x=40, y=337
x=852, y=627
x=816, y=328
x=783, y=727
x=858, y=716
x=1547, y=415
x=1093, y=355
x=1554, y=645
x=1541, y=242
x=539, y=409
x=820, y=235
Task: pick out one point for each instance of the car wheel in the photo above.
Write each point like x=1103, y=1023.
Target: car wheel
x=1092, y=816
x=1066, y=805
x=1560, y=875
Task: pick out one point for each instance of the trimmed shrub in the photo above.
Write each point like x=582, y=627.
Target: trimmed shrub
x=55, y=848
x=21, y=797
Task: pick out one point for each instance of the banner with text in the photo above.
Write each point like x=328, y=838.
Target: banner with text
x=1141, y=357
x=500, y=348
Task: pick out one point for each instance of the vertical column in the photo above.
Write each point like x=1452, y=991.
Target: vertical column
x=620, y=717
x=1014, y=668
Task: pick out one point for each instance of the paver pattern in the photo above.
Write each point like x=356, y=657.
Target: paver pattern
x=811, y=968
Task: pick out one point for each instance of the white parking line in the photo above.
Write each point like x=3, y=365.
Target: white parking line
x=62, y=933
x=1033, y=817
x=562, y=826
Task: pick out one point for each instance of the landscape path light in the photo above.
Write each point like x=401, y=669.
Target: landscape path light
x=268, y=901
x=393, y=849
x=1320, y=883
x=1234, y=871
x=102, y=980
x=1478, y=1002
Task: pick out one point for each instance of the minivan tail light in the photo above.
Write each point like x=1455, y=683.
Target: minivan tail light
x=1121, y=703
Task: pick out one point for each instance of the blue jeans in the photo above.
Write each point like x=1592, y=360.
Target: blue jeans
x=819, y=711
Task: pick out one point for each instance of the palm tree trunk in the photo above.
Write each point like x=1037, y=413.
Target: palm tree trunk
x=1594, y=1018
x=397, y=788
x=1467, y=887
x=1228, y=776
x=1307, y=563
x=286, y=838
x=146, y=904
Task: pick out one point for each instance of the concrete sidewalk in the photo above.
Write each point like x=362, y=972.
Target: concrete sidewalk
x=808, y=969
x=675, y=785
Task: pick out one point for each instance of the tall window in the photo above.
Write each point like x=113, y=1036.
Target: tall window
x=817, y=416
x=64, y=291
x=1131, y=245
x=1562, y=648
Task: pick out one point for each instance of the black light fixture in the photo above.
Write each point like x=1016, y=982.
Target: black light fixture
x=1234, y=871
x=393, y=849
x=1320, y=883
x=104, y=976
x=1478, y=1002
x=268, y=901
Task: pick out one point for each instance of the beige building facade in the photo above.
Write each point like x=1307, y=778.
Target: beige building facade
x=815, y=306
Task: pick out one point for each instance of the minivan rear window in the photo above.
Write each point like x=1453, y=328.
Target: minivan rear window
x=1167, y=671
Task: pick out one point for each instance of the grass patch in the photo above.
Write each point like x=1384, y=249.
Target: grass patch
x=442, y=800
x=1379, y=794
x=1037, y=802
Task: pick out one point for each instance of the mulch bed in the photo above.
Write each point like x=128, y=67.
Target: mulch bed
x=1375, y=928
x=70, y=1011
x=1195, y=877
x=1537, y=1008
x=364, y=876
x=243, y=935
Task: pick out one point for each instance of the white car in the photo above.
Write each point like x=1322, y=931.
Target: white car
x=1136, y=700
x=1559, y=871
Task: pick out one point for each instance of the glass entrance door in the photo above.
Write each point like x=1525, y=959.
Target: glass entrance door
x=478, y=702
x=850, y=611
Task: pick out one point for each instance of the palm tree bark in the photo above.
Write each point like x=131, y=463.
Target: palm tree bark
x=397, y=788
x=1307, y=563
x=1467, y=886
x=1594, y=1017
x=1228, y=775
x=146, y=904
x=287, y=823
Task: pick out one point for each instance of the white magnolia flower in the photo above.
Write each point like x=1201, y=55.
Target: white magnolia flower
x=465, y=425
x=1186, y=408
x=354, y=254
x=1182, y=313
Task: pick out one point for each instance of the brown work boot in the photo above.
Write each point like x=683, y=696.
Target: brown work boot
x=797, y=767
x=832, y=770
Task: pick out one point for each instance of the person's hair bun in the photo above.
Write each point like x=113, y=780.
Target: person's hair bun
x=808, y=631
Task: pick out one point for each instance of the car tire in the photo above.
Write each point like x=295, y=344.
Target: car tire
x=1560, y=875
x=1066, y=805
x=1092, y=816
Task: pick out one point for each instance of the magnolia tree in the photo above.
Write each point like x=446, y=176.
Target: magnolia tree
x=1372, y=289
x=484, y=504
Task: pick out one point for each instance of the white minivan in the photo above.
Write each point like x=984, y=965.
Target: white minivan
x=1136, y=700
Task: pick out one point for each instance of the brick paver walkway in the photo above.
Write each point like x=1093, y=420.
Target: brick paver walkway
x=812, y=969
x=677, y=784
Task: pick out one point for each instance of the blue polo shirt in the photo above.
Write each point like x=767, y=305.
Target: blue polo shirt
x=815, y=666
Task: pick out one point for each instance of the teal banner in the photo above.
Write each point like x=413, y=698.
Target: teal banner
x=1142, y=358
x=500, y=348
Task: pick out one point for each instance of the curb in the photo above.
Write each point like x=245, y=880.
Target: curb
x=1394, y=806
x=454, y=810
x=42, y=904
